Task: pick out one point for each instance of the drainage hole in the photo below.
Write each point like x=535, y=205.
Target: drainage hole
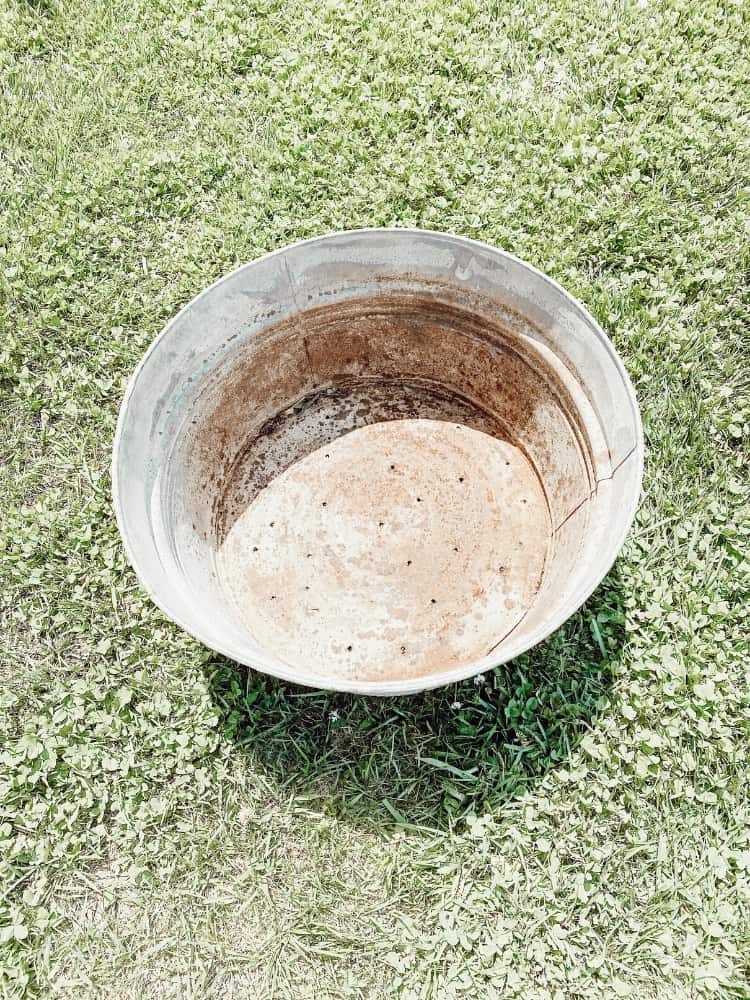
x=460, y=479
x=433, y=601
x=381, y=523
x=408, y=562
x=419, y=499
x=255, y=548
x=393, y=467
x=348, y=649
x=325, y=504
x=271, y=524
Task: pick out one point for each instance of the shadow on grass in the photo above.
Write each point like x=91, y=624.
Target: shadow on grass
x=427, y=760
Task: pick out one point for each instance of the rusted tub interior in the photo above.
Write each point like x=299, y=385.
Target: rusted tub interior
x=377, y=461
x=378, y=484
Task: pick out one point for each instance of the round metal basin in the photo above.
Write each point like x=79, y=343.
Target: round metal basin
x=377, y=461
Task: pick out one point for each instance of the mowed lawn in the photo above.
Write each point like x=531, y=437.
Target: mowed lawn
x=576, y=824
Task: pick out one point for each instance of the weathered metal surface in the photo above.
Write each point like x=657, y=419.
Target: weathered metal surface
x=326, y=414
x=395, y=338
x=396, y=550
x=377, y=461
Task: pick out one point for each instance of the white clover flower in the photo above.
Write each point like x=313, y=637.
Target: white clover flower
x=456, y=706
x=334, y=716
x=479, y=679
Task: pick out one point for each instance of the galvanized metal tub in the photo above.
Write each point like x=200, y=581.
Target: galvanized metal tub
x=377, y=461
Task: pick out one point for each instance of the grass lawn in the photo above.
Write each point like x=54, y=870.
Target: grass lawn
x=577, y=823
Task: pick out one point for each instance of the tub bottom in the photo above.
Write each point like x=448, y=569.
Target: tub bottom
x=376, y=532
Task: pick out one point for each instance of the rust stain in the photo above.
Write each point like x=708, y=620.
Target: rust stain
x=272, y=422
